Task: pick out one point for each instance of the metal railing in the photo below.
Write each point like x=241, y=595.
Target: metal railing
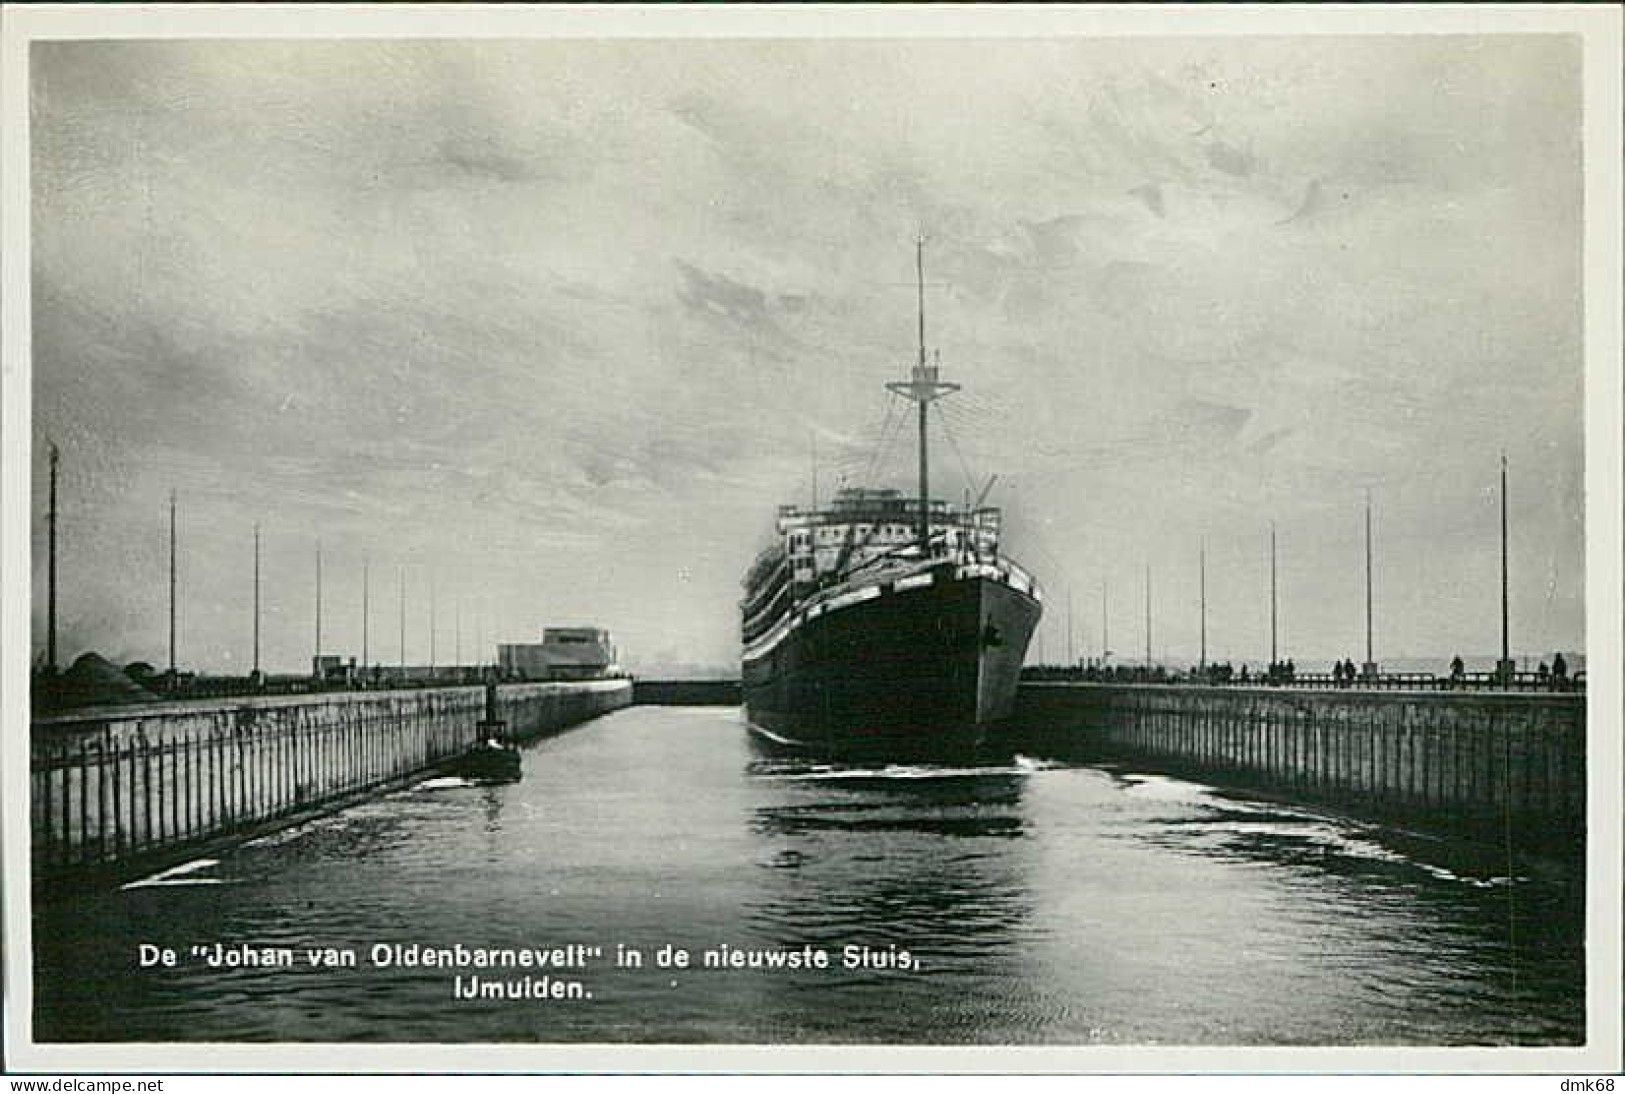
x=1385, y=681
x=131, y=789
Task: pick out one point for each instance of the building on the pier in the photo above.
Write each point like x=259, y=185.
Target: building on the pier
x=331, y=668
x=564, y=653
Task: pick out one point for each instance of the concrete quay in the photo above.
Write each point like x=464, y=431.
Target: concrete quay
x=118, y=791
x=1497, y=767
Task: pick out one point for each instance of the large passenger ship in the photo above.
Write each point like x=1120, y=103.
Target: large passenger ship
x=884, y=622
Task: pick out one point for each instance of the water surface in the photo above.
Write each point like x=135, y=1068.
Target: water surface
x=1041, y=902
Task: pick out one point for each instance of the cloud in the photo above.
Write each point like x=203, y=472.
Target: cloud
x=481, y=157
x=1264, y=442
x=1309, y=205
x=714, y=294
x=1151, y=194
x=1230, y=160
x=1212, y=422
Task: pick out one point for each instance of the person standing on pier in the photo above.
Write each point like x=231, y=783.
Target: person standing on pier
x=1560, y=672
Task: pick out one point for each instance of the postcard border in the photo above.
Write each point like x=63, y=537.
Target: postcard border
x=1600, y=29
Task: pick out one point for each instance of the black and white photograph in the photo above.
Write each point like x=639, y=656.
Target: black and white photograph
x=861, y=538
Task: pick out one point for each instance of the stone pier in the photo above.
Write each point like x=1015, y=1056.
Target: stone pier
x=1492, y=766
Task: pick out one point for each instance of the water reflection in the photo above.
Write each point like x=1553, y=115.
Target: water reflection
x=916, y=837
x=869, y=860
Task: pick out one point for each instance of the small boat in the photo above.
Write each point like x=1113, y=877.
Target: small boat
x=491, y=760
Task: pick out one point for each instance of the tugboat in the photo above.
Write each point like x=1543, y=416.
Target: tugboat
x=884, y=623
x=492, y=758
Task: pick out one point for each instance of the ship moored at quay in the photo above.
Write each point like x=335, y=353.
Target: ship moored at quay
x=884, y=623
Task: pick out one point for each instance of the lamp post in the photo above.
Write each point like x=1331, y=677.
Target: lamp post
x=1505, y=669
x=254, y=676
x=1274, y=655
x=50, y=575
x=1201, y=571
x=173, y=681
x=1368, y=671
x=1148, y=616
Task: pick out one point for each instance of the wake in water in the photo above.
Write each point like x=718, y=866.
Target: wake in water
x=790, y=771
x=1244, y=825
x=184, y=874
x=445, y=782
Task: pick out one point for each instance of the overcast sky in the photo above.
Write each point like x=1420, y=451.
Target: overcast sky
x=554, y=324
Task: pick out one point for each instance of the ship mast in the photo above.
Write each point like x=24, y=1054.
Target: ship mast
x=923, y=388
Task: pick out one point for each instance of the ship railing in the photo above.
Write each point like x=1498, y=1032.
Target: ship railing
x=1007, y=572
x=1019, y=577
x=762, y=621
x=765, y=593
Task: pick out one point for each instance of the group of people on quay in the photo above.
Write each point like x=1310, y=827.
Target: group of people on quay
x=1095, y=671
x=1218, y=672
x=1098, y=673
x=1553, y=677
x=1223, y=672
x=1344, y=674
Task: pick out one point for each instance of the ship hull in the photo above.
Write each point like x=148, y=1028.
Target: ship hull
x=930, y=668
